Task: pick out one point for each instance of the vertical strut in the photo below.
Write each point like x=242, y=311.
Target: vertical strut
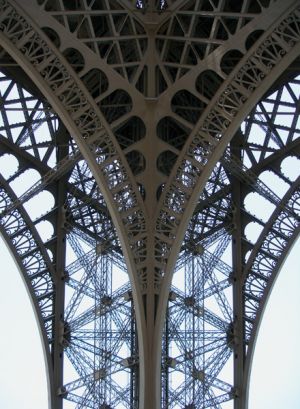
x=238, y=303
x=60, y=251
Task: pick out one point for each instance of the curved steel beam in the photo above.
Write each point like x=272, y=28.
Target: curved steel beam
x=150, y=234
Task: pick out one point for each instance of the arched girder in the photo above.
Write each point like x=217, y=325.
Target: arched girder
x=218, y=124
x=262, y=268
x=251, y=283
x=214, y=133
x=36, y=268
x=268, y=137
x=23, y=117
x=80, y=219
x=71, y=98
x=187, y=81
x=159, y=252
x=281, y=229
x=58, y=82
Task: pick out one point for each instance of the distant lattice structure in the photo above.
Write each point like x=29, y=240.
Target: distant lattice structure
x=149, y=189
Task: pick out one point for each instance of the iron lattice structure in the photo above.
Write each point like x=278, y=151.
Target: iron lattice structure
x=149, y=189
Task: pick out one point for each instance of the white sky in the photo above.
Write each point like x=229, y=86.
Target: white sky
x=275, y=382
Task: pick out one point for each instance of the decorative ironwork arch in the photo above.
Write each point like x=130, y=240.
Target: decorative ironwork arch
x=117, y=91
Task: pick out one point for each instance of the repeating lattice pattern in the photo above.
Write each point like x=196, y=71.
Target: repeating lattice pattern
x=105, y=204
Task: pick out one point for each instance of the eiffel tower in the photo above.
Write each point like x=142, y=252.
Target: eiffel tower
x=149, y=189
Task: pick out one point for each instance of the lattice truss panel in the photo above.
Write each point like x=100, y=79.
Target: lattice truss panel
x=100, y=97
x=96, y=329
x=200, y=336
x=97, y=333
x=22, y=115
x=57, y=223
x=189, y=32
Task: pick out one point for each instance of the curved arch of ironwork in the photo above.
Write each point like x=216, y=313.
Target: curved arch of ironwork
x=59, y=82
x=111, y=158
x=35, y=266
x=257, y=293
x=220, y=218
x=77, y=276
x=247, y=83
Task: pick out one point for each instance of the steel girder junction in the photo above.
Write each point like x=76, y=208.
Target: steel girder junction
x=149, y=189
